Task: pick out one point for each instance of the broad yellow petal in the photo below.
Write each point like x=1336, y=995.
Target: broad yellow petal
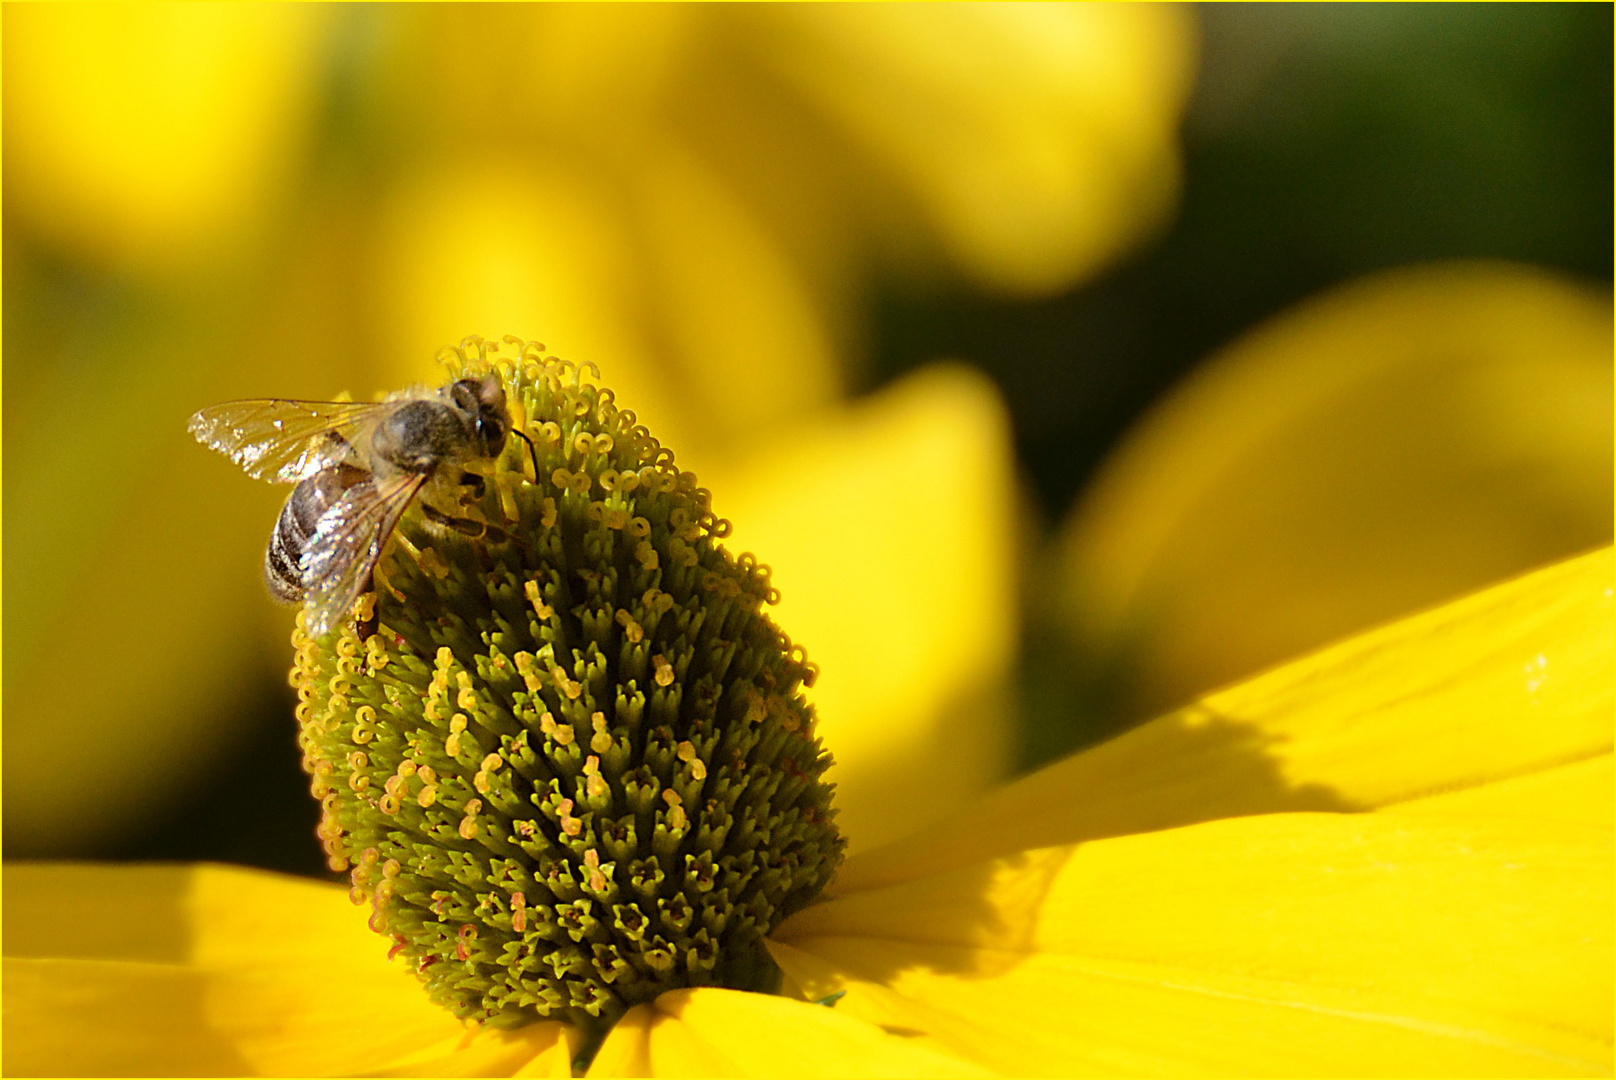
x=88, y=1018
x=512, y=249
x=1582, y=791
x=1510, y=682
x=1392, y=444
x=1311, y=944
x=211, y=969
x=544, y=1049
x=711, y=1032
x=695, y=318
x=889, y=532
x=580, y=81
x=627, y=1049
x=748, y=344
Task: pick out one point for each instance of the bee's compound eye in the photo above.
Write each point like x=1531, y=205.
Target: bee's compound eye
x=491, y=428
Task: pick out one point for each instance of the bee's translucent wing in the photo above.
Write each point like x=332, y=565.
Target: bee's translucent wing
x=347, y=541
x=283, y=441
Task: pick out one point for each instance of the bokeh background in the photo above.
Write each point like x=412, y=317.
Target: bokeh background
x=1258, y=325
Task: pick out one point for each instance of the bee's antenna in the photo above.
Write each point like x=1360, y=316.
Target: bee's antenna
x=532, y=450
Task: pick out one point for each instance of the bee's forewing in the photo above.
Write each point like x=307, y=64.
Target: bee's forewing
x=279, y=440
x=347, y=541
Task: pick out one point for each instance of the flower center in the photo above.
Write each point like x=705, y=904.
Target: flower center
x=572, y=767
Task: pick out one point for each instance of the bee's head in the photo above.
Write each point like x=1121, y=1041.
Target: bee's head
x=482, y=402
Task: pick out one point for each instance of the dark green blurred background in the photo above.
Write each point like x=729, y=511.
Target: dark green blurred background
x=1323, y=141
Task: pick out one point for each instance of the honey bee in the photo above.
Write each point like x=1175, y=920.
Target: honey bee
x=357, y=467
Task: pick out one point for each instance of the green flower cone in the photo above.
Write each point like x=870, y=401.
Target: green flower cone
x=568, y=760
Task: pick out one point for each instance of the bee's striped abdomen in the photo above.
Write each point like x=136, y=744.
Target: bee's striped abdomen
x=313, y=496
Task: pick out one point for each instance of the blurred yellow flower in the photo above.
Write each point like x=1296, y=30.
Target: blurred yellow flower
x=681, y=191
x=675, y=192
x=154, y=138
x=1394, y=855
x=1391, y=444
x=902, y=510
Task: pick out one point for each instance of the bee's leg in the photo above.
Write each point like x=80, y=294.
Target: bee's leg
x=477, y=487
x=474, y=529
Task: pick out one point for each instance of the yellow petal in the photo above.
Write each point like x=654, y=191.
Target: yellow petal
x=711, y=1032
x=627, y=1049
x=86, y=1018
x=672, y=290
x=584, y=80
x=1582, y=791
x=202, y=963
x=536, y=1050
x=555, y=1058
x=511, y=249
x=889, y=534
x=151, y=135
x=1504, y=684
x=1036, y=141
x=620, y=243
x=1303, y=944
x=1389, y=445
x=747, y=341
